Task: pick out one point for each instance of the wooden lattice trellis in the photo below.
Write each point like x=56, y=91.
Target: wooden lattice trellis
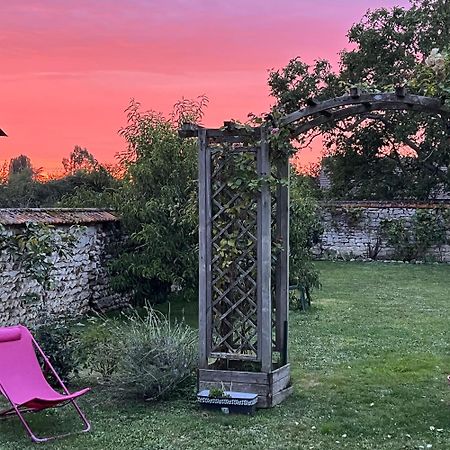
x=244, y=243
x=234, y=324
x=236, y=261
x=243, y=283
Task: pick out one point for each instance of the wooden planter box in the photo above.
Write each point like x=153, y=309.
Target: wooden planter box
x=272, y=388
x=234, y=402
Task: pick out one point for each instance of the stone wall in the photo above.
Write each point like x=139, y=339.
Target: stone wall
x=353, y=229
x=80, y=281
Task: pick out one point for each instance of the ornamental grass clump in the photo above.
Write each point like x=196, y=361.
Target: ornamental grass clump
x=158, y=356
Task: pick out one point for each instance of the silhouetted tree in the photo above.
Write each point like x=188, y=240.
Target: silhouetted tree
x=79, y=159
x=20, y=165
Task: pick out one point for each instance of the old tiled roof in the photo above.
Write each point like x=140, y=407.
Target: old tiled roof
x=55, y=216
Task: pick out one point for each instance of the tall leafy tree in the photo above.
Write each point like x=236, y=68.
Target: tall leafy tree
x=380, y=155
x=157, y=201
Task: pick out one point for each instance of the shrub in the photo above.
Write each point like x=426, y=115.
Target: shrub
x=99, y=348
x=59, y=343
x=157, y=203
x=157, y=356
x=305, y=232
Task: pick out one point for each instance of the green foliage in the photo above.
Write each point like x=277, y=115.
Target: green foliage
x=99, y=349
x=20, y=164
x=189, y=111
x=239, y=175
x=95, y=189
x=299, y=298
x=157, y=201
x=18, y=188
x=32, y=250
x=305, y=232
x=157, y=357
x=144, y=354
x=216, y=392
x=87, y=183
x=433, y=77
x=60, y=344
x=353, y=216
x=411, y=242
x=390, y=155
x=298, y=81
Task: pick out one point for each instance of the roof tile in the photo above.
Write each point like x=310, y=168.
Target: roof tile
x=56, y=216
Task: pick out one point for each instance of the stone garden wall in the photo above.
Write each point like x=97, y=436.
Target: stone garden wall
x=357, y=229
x=78, y=279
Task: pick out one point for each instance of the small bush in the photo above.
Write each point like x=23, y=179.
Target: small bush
x=305, y=232
x=99, y=350
x=157, y=356
x=59, y=343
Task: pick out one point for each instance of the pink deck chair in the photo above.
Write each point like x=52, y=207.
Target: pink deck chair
x=23, y=383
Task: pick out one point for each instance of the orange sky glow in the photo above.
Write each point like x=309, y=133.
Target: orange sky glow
x=69, y=69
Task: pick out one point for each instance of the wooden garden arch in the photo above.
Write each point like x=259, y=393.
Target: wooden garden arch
x=243, y=302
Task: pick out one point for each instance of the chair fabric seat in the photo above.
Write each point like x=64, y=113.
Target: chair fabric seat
x=38, y=403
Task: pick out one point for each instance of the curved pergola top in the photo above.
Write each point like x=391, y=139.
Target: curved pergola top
x=318, y=113
x=321, y=112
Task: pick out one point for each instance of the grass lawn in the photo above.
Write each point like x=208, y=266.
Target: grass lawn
x=369, y=368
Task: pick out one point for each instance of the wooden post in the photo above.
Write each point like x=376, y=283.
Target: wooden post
x=282, y=265
x=264, y=252
x=204, y=238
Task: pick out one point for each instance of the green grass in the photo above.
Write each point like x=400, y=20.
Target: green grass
x=369, y=366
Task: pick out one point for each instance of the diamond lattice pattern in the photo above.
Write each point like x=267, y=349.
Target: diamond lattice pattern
x=234, y=263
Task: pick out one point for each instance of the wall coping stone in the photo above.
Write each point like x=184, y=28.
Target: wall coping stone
x=56, y=216
x=386, y=204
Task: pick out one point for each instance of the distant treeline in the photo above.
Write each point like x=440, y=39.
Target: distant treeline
x=21, y=185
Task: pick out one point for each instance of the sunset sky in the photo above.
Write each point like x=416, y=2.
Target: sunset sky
x=70, y=68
